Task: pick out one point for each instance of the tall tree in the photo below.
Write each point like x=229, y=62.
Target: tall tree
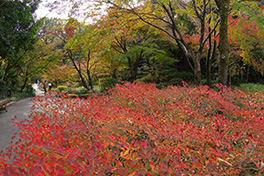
x=83, y=49
x=246, y=34
x=128, y=37
x=17, y=33
x=172, y=18
x=224, y=7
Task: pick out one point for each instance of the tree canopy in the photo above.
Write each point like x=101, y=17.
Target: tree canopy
x=159, y=41
x=18, y=30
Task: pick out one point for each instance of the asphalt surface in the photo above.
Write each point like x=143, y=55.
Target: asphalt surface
x=21, y=109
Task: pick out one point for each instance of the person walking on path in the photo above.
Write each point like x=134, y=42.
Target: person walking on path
x=50, y=85
x=45, y=87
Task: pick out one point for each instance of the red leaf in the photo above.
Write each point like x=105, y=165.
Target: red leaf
x=135, y=166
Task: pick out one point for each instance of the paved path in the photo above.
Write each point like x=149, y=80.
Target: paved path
x=21, y=109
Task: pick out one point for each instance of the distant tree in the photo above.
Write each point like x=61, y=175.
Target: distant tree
x=130, y=39
x=82, y=47
x=176, y=19
x=246, y=34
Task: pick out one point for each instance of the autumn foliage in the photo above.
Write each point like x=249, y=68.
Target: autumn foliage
x=137, y=129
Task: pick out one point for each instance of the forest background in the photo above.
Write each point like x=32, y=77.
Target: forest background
x=159, y=41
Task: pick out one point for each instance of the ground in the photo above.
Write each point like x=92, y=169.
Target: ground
x=21, y=109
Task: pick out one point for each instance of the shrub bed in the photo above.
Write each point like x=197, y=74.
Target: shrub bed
x=62, y=88
x=105, y=83
x=137, y=129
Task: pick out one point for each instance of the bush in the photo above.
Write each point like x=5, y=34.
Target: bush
x=78, y=96
x=176, y=81
x=251, y=87
x=137, y=129
x=62, y=88
x=29, y=89
x=146, y=79
x=83, y=96
x=17, y=95
x=81, y=90
x=161, y=85
x=3, y=89
x=105, y=83
x=2, y=85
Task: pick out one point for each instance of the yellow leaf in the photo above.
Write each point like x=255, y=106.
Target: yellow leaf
x=224, y=162
x=126, y=152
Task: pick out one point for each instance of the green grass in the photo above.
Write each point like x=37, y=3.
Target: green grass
x=251, y=87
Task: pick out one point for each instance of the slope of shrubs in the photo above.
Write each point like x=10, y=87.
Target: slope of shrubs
x=137, y=129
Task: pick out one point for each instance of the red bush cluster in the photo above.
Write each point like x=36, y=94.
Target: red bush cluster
x=137, y=129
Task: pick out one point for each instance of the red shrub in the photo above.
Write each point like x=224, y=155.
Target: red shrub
x=137, y=129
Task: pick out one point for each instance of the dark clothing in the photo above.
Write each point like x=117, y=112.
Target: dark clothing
x=45, y=87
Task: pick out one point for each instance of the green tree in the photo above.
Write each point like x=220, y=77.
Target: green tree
x=17, y=34
x=176, y=19
x=246, y=34
x=83, y=50
x=132, y=40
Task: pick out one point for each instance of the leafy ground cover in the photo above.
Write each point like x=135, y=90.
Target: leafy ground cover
x=251, y=87
x=137, y=129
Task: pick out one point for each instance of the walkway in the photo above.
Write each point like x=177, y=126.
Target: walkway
x=21, y=109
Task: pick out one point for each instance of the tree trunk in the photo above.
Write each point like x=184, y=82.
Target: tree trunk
x=131, y=69
x=26, y=78
x=247, y=75
x=24, y=85
x=90, y=79
x=210, y=59
x=134, y=70
x=197, y=70
x=78, y=70
x=223, y=6
x=88, y=70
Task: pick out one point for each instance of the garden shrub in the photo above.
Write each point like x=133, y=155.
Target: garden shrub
x=162, y=85
x=3, y=89
x=25, y=94
x=251, y=87
x=2, y=85
x=176, y=81
x=146, y=79
x=62, y=88
x=78, y=95
x=29, y=89
x=16, y=93
x=137, y=129
x=83, y=95
x=81, y=90
x=95, y=82
x=105, y=83
x=73, y=95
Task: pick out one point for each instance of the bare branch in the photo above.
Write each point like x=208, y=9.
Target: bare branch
x=211, y=32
